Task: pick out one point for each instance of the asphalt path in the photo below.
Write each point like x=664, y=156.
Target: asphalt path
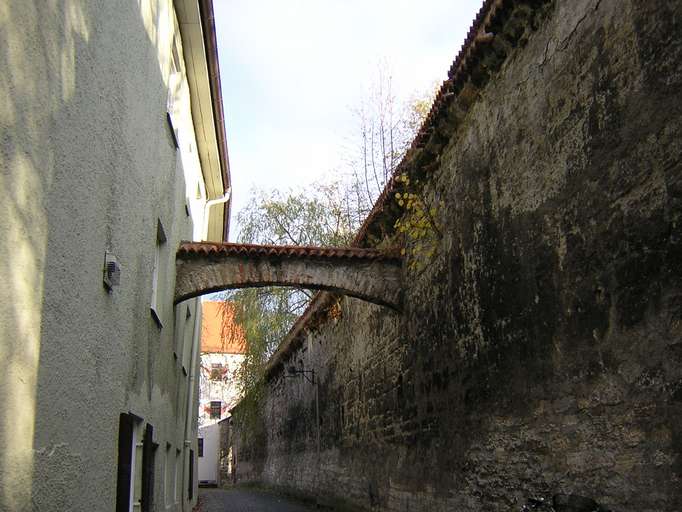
x=245, y=500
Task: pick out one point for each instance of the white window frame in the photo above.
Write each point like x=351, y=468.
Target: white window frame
x=135, y=464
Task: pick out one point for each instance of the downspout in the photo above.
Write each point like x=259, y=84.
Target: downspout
x=212, y=202
x=189, y=423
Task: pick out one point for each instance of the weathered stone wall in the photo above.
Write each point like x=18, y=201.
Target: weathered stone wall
x=540, y=352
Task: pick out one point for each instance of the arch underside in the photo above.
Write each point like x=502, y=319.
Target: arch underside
x=319, y=287
x=374, y=280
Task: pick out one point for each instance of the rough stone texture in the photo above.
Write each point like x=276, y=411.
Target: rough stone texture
x=540, y=353
x=373, y=280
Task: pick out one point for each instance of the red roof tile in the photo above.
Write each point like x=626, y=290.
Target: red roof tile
x=458, y=73
x=220, y=333
x=476, y=40
x=197, y=249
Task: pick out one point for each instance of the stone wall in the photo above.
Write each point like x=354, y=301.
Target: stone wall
x=540, y=352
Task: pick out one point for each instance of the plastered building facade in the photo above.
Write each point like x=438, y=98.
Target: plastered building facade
x=222, y=353
x=112, y=148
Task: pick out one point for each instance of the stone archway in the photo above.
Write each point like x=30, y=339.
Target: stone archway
x=368, y=274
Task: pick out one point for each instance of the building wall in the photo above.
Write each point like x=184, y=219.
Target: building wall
x=213, y=388
x=208, y=467
x=88, y=164
x=540, y=351
x=223, y=345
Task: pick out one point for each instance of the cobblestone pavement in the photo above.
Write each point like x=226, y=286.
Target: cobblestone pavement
x=245, y=500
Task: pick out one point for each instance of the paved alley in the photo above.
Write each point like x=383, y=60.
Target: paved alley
x=246, y=500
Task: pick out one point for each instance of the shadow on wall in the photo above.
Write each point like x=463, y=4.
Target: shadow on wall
x=38, y=43
x=67, y=131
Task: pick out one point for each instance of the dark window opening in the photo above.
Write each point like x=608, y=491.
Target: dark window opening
x=218, y=371
x=200, y=446
x=125, y=460
x=215, y=409
x=190, y=480
x=148, y=458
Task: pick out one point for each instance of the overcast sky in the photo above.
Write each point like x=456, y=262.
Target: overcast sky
x=292, y=70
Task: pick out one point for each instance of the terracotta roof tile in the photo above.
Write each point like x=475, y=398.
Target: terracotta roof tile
x=219, y=331
x=197, y=249
x=477, y=39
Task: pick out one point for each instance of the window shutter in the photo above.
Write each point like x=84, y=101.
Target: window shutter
x=125, y=451
x=190, y=484
x=147, y=498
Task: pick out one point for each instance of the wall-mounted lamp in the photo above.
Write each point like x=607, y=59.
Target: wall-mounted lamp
x=293, y=371
x=112, y=271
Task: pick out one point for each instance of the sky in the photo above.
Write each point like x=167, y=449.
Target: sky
x=293, y=70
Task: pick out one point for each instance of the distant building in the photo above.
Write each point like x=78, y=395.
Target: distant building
x=223, y=345
x=222, y=352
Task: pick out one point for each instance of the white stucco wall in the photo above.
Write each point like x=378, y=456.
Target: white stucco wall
x=208, y=462
x=87, y=164
x=225, y=389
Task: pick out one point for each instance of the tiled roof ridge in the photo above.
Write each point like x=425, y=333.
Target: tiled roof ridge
x=457, y=74
x=477, y=39
x=206, y=248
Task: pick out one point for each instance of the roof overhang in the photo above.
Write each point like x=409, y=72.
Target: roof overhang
x=197, y=29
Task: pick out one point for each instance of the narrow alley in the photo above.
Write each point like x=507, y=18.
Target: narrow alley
x=448, y=279
x=246, y=500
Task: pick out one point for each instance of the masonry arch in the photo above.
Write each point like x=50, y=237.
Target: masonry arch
x=368, y=274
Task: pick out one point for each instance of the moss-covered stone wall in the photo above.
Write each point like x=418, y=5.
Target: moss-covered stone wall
x=540, y=351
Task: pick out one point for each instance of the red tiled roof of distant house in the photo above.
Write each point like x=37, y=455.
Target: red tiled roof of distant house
x=219, y=331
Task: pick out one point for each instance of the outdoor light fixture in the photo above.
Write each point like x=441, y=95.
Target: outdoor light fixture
x=111, y=271
x=293, y=372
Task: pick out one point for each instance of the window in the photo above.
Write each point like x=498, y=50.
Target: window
x=217, y=371
x=169, y=475
x=158, y=274
x=174, y=76
x=200, y=446
x=125, y=459
x=176, y=479
x=215, y=409
x=148, y=455
x=174, y=79
x=190, y=476
x=189, y=334
x=183, y=319
x=127, y=491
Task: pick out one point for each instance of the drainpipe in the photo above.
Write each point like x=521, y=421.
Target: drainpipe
x=316, y=383
x=212, y=202
x=196, y=342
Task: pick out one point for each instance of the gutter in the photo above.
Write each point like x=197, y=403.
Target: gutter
x=207, y=207
x=210, y=44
